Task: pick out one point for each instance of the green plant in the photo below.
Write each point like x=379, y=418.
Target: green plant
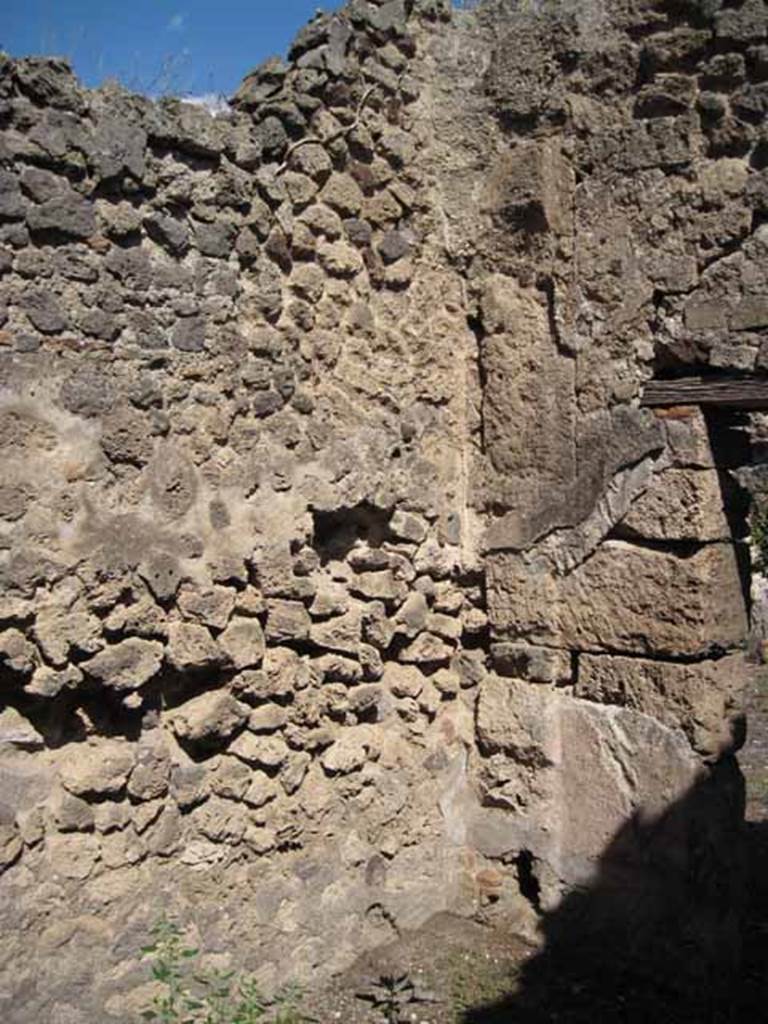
x=169, y=955
x=393, y=995
x=192, y=996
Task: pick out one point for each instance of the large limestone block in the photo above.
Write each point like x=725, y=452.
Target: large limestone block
x=625, y=597
x=615, y=453
x=702, y=698
x=529, y=407
x=513, y=718
x=689, y=443
x=582, y=773
x=680, y=504
x=616, y=765
x=533, y=183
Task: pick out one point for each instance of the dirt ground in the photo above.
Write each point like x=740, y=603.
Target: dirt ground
x=453, y=965
x=753, y=757
x=475, y=975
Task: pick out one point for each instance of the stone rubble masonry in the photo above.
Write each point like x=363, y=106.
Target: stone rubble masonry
x=339, y=565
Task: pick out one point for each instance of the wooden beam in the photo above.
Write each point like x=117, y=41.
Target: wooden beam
x=722, y=392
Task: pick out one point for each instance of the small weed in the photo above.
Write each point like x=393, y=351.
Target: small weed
x=393, y=995
x=192, y=996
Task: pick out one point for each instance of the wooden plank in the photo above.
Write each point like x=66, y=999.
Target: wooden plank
x=723, y=392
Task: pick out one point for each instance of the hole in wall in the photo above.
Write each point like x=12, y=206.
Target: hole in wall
x=759, y=157
x=575, y=669
x=529, y=884
x=529, y=219
x=730, y=442
x=337, y=533
x=478, y=641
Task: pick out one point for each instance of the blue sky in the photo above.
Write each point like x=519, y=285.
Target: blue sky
x=193, y=47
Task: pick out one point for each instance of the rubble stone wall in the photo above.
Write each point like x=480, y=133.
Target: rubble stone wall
x=344, y=581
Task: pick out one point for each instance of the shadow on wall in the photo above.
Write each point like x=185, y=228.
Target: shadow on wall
x=659, y=935
x=731, y=445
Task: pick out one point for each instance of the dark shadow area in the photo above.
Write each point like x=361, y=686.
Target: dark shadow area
x=672, y=928
x=75, y=713
x=751, y=995
x=731, y=444
x=336, y=533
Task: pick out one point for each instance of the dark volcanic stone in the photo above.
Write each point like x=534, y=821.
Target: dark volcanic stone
x=271, y=136
x=87, y=392
x=44, y=312
x=266, y=402
x=215, y=239
x=131, y=266
x=359, y=232
x=26, y=342
x=66, y=214
x=393, y=246
x=169, y=232
x=12, y=204
x=41, y=185
x=119, y=147
x=189, y=334
x=49, y=81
